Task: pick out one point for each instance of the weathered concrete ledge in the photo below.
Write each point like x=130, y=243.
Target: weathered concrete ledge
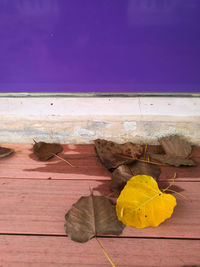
x=81, y=120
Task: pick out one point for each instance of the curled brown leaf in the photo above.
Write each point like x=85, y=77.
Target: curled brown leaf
x=4, y=152
x=174, y=145
x=177, y=151
x=45, y=151
x=171, y=160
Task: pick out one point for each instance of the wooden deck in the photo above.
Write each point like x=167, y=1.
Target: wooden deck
x=34, y=197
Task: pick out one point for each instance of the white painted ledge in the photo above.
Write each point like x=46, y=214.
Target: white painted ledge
x=80, y=120
x=158, y=106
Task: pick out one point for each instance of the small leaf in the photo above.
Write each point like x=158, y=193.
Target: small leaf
x=124, y=172
x=142, y=204
x=45, y=151
x=171, y=160
x=111, y=154
x=4, y=152
x=92, y=216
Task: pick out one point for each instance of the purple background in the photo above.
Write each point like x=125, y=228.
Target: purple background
x=99, y=45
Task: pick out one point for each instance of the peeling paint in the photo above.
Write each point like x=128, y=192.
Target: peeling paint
x=98, y=125
x=78, y=131
x=130, y=125
x=84, y=129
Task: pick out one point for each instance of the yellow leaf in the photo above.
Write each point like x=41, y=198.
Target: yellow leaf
x=142, y=204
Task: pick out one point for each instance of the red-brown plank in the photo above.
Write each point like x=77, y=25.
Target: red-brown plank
x=38, y=207
x=23, y=164
x=45, y=251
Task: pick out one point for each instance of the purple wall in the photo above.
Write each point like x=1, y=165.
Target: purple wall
x=99, y=46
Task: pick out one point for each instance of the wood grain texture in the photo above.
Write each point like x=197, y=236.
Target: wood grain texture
x=34, y=197
x=24, y=164
x=48, y=251
x=39, y=206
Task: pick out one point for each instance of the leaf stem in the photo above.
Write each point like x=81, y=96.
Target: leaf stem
x=63, y=160
x=180, y=194
x=142, y=160
x=106, y=254
x=170, y=183
x=145, y=151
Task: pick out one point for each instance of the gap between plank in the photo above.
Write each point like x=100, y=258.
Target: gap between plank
x=104, y=237
x=193, y=180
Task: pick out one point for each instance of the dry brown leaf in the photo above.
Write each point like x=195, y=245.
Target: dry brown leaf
x=154, y=149
x=111, y=154
x=177, y=150
x=4, y=152
x=45, y=151
x=172, y=160
x=124, y=172
x=92, y=216
x=119, y=178
x=176, y=146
